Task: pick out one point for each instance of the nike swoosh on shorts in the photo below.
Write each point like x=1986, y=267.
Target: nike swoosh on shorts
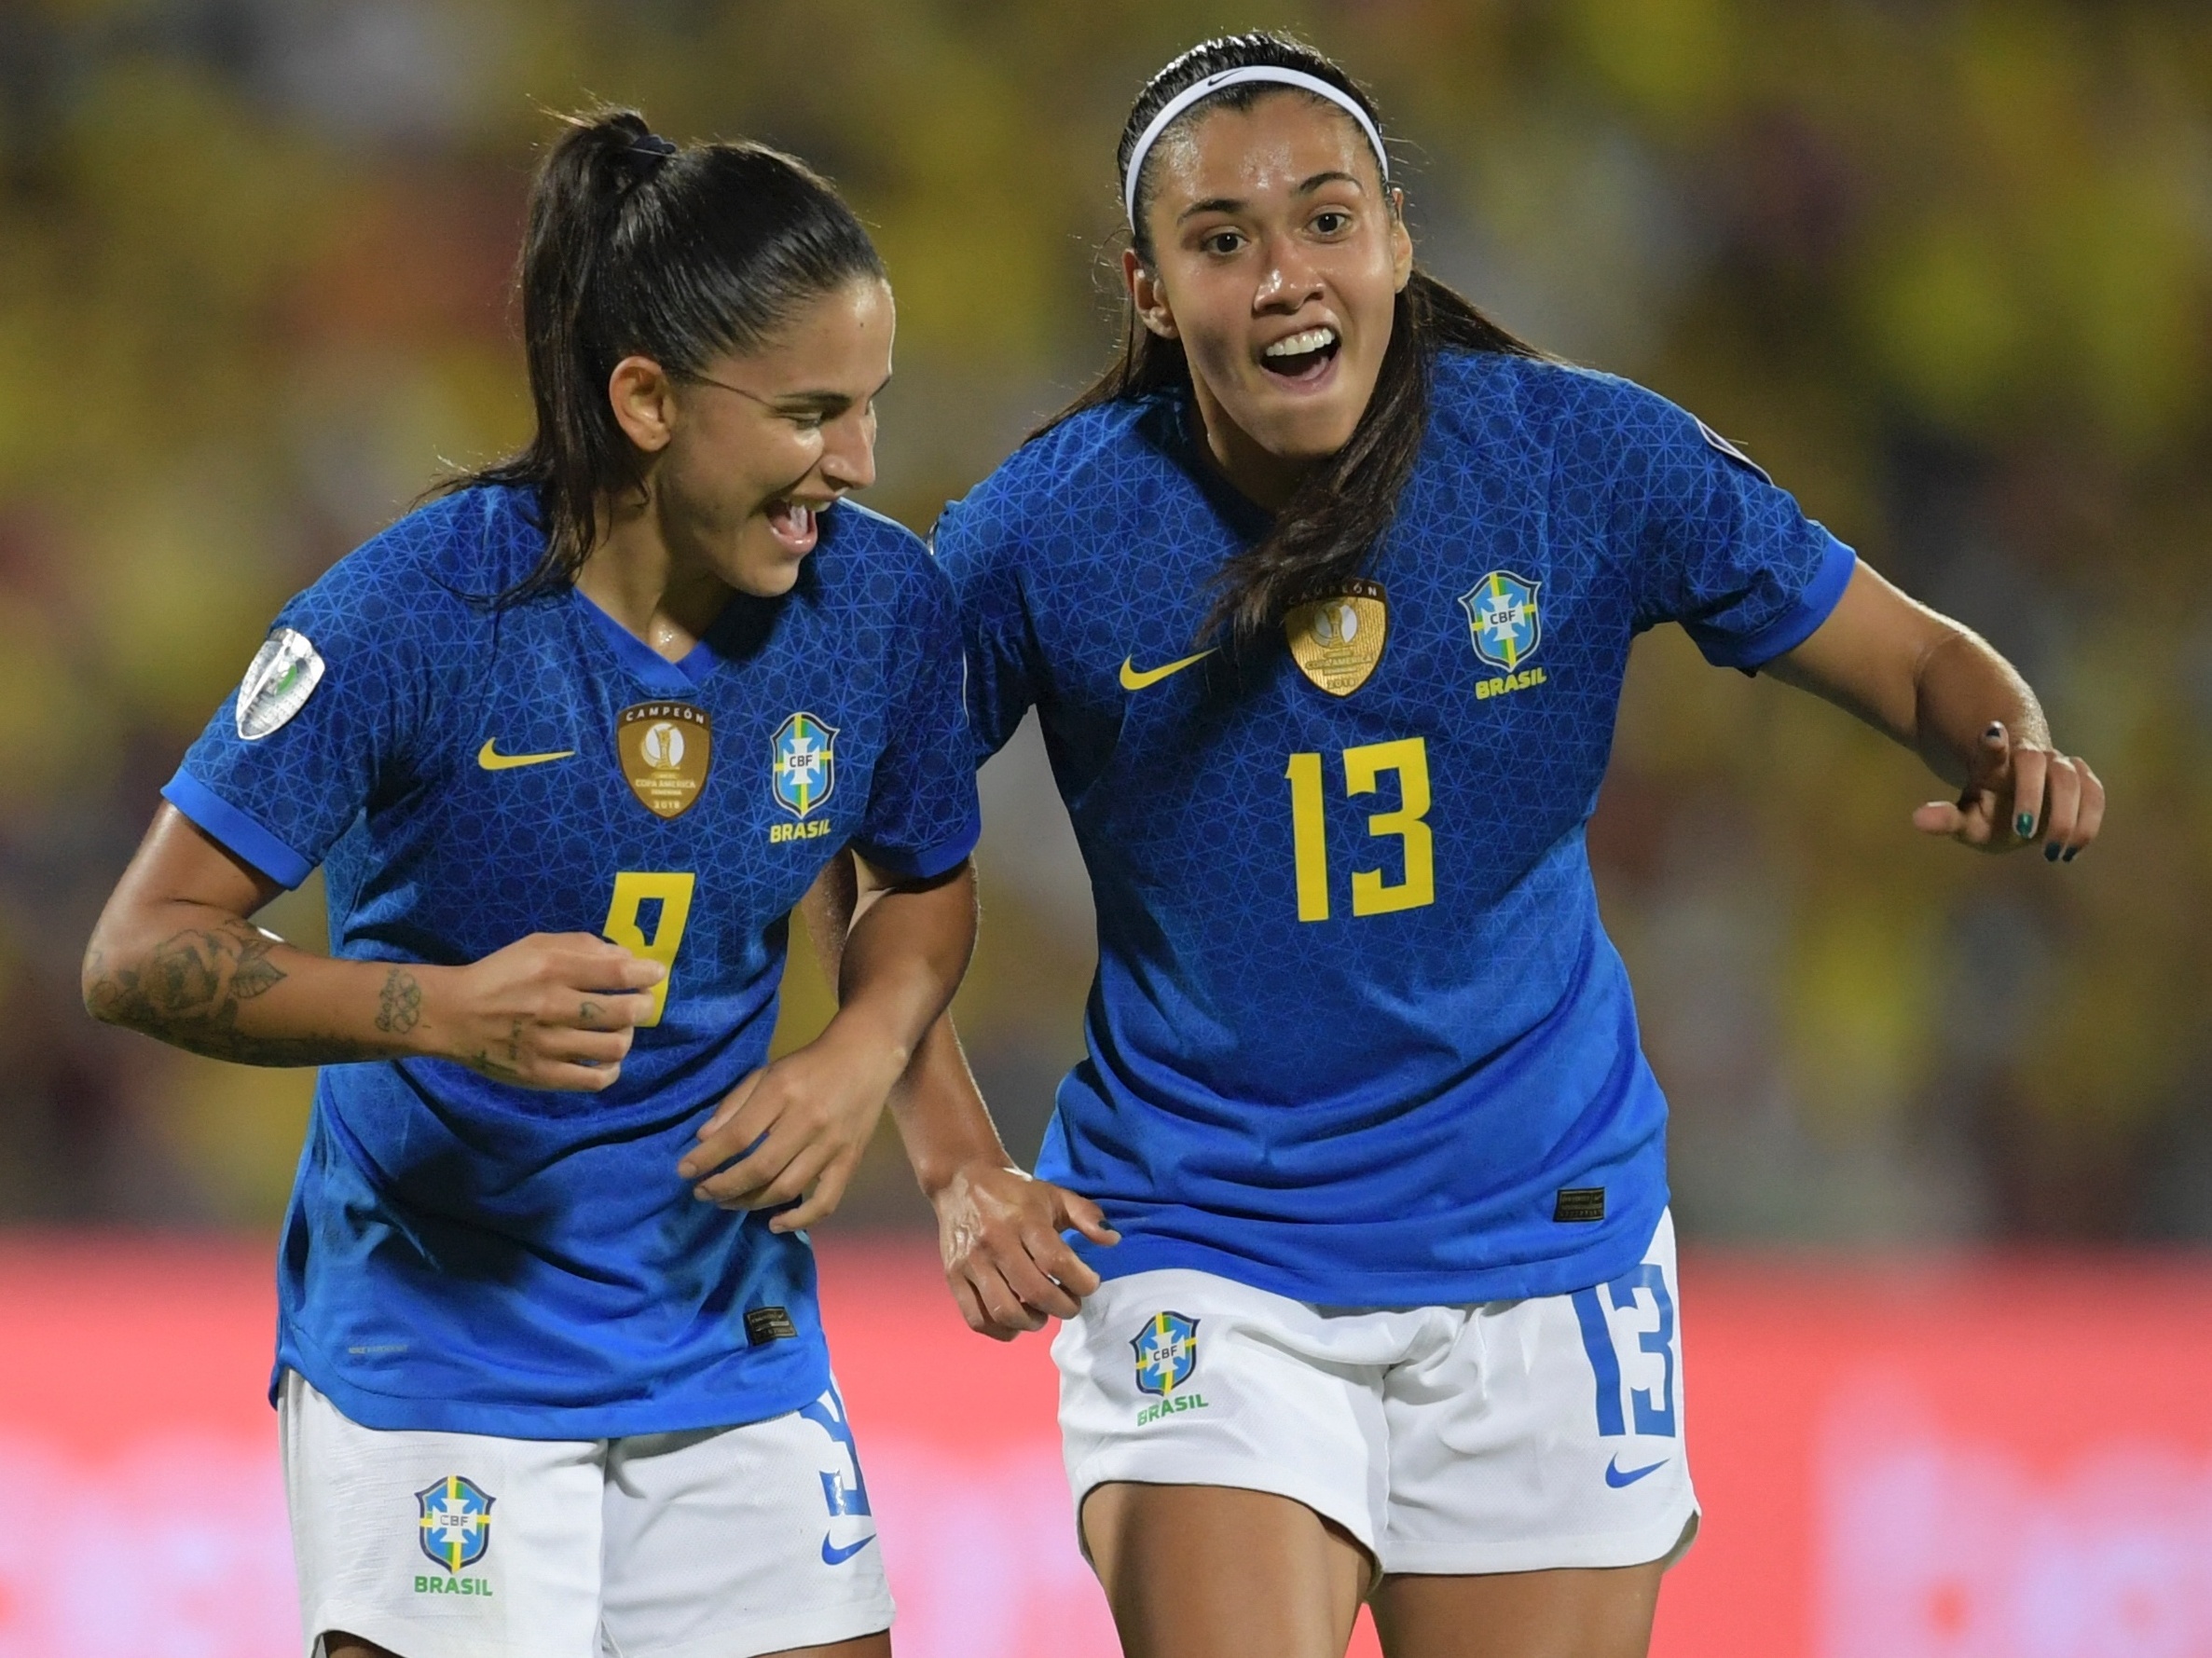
x=1136, y=679
x=1616, y=1477
x=831, y=1556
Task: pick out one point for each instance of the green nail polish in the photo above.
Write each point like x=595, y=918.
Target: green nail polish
x=2070, y=853
x=2024, y=825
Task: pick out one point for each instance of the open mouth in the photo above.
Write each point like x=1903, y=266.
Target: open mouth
x=1304, y=356
x=793, y=524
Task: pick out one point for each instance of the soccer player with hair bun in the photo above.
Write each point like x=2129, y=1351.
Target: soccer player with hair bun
x=570, y=742
x=1357, y=1206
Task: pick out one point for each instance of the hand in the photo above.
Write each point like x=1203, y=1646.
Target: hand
x=798, y=1126
x=554, y=1010
x=1010, y=1269
x=2015, y=792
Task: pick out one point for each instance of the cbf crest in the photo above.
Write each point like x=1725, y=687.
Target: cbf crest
x=803, y=771
x=1504, y=619
x=455, y=1526
x=665, y=749
x=1166, y=1352
x=1337, y=639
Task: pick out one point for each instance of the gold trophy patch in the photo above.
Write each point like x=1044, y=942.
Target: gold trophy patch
x=665, y=748
x=1336, y=640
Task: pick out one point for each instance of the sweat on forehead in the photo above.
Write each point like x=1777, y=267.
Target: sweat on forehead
x=1256, y=78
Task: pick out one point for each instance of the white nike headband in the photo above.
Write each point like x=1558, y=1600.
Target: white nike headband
x=1189, y=95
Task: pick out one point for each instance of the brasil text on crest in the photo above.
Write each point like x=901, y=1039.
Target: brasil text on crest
x=803, y=775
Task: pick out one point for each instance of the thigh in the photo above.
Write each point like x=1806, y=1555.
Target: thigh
x=1574, y=1613
x=744, y=1540
x=1210, y=1571
x=1546, y=1436
x=1184, y=1378
x=440, y=1545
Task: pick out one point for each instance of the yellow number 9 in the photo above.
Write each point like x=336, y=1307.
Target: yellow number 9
x=633, y=890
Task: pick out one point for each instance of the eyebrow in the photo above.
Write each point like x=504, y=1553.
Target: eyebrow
x=827, y=403
x=1230, y=204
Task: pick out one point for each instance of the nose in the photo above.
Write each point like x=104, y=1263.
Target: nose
x=1287, y=279
x=848, y=449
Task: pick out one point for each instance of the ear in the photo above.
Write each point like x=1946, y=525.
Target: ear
x=1147, y=296
x=644, y=401
x=1401, y=243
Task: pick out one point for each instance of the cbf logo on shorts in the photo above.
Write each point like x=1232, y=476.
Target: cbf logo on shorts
x=1506, y=624
x=1166, y=1356
x=453, y=1527
x=803, y=775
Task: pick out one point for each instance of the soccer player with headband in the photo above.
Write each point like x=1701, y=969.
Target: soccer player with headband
x=569, y=741
x=1323, y=596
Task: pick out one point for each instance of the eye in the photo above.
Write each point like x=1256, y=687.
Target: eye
x=808, y=422
x=1332, y=221
x=1222, y=243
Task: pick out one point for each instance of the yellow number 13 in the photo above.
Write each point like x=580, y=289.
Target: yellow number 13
x=633, y=890
x=1409, y=757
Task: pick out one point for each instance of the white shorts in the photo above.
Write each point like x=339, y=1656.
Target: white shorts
x=1504, y=1436
x=713, y=1545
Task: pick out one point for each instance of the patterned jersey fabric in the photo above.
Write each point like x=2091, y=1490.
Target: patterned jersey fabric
x=1357, y=1035
x=465, y=1255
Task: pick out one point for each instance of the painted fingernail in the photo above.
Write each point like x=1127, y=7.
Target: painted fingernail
x=2053, y=853
x=2024, y=825
x=2071, y=852
x=1995, y=732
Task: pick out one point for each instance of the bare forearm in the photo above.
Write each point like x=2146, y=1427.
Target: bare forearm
x=942, y=1119
x=208, y=981
x=902, y=962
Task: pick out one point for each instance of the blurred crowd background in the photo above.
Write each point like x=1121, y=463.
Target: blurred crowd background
x=1944, y=267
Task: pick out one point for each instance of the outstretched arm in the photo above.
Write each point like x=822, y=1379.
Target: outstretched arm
x=798, y=1127
x=174, y=955
x=999, y=1229
x=1941, y=691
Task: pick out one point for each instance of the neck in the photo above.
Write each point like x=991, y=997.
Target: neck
x=1264, y=478
x=638, y=576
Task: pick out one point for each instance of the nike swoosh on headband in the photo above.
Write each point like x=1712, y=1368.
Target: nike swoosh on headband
x=1260, y=73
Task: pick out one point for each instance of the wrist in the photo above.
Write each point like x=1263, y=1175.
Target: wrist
x=941, y=1178
x=432, y=1030
x=875, y=1046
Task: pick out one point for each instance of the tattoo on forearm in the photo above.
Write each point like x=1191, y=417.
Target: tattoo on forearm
x=399, y=1004
x=189, y=990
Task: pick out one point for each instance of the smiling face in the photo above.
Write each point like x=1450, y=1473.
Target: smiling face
x=757, y=444
x=1277, y=259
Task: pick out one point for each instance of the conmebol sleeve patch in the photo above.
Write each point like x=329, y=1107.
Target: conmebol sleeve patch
x=284, y=674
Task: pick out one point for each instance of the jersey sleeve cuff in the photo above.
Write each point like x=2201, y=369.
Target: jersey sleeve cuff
x=1793, y=626
x=925, y=865
x=239, y=831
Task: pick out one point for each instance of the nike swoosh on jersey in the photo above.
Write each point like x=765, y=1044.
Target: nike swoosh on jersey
x=839, y=1557
x=491, y=759
x=1136, y=679
x=1616, y=1476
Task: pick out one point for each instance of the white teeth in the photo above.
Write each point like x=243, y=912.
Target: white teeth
x=1297, y=345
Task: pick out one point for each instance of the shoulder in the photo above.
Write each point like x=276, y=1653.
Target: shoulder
x=865, y=557
x=1055, y=484
x=1585, y=416
x=438, y=566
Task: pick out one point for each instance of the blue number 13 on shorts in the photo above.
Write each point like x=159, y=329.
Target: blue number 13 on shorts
x=1654, y=1407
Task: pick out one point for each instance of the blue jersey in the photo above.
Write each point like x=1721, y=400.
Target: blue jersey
x=1357, y=1035
x=463, y=1255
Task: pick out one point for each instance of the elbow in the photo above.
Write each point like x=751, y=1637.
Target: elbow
x=104, y=976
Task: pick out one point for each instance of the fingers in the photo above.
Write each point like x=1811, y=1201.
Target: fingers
x=2062, y=806
x=971, y=1310
x=2089, y=816
x=829, y=1191
x=599, y=1011
x=1003, y=1308
x=2030, y=769
x=1086, y=1217
x=733, y=1102
x=1939, y=817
